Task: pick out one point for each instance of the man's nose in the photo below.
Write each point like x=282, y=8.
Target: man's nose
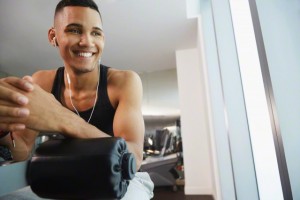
x=86, y=40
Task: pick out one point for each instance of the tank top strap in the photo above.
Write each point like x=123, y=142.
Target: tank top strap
x=58, y=83
x=102, y=92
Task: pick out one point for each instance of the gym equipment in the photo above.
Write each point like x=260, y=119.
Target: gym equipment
x=161, y=163
x=98, y=168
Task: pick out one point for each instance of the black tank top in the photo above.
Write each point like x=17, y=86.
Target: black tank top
x=104, y=112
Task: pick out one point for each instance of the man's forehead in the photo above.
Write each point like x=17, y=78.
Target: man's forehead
x=77, y=14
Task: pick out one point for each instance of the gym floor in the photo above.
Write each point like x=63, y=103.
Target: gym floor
x=163, y=193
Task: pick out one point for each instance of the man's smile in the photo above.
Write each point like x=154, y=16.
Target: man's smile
x=84, y=54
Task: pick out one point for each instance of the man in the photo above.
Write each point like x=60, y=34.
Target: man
x=88, y=100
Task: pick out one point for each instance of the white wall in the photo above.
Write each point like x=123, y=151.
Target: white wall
x=181, y=92
x=160, y=93
x=194, y=125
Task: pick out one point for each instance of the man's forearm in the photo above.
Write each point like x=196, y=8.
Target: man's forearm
x=74, y=126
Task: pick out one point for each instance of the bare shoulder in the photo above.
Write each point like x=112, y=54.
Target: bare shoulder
x=123, y=78
x=44, y=78
x=125, y=86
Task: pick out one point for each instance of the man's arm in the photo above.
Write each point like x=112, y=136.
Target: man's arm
x=47, y=114
x=128, y=121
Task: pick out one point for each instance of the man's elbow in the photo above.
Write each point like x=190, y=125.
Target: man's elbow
x=137, y=151
x=139, y=160
x=21, y=156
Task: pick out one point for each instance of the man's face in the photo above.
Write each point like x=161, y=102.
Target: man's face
x=80, y=37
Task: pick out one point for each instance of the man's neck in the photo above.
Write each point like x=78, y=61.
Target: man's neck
x=82, y=81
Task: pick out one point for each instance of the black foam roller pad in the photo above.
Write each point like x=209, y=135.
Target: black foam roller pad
x=97, y=168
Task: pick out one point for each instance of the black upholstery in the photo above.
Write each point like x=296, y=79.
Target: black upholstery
x=81, y=169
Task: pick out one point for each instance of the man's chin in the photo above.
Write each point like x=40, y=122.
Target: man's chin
x=84, y=69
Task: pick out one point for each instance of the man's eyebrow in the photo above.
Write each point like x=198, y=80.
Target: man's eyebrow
x=74, y=24
x=97, y=28
x=80, y=26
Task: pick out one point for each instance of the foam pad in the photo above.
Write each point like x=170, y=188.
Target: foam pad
x=97, y=168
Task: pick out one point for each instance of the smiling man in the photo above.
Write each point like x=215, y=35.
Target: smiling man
x=91, y=100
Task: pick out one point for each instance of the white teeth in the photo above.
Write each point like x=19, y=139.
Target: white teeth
x=84, y=54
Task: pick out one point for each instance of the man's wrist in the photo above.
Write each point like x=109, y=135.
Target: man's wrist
x=71, y=125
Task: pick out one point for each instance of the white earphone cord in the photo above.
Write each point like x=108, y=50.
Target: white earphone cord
x=69, y=84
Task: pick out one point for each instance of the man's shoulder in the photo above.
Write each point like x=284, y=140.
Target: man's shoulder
x=122, y=77
x=127, y=84
x=44, y=78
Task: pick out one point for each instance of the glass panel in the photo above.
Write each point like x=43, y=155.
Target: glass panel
x=280, y=28
x=233, y=147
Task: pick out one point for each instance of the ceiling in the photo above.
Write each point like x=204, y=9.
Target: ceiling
x=141, y=35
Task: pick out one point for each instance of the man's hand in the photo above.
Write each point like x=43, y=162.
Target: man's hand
x=45, y=111
x=13, y=101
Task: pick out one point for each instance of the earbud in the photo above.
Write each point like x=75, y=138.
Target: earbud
x=68, y=78
x=55, y=42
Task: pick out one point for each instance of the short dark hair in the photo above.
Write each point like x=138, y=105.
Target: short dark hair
x=83, y=3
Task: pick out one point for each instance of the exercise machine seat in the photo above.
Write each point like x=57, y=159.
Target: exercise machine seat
x=98, y=168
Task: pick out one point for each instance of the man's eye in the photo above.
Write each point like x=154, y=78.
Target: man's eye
x=74, y=31
x=96, y=33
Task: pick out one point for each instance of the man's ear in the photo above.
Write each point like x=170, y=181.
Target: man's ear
x=52, y=37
